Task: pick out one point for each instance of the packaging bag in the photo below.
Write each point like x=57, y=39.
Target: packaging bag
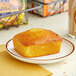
x=50, y=9
x=11, y=6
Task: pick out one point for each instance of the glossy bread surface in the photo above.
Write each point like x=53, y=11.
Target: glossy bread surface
x=37, y=42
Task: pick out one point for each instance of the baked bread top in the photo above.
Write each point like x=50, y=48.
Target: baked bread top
x=37, y=36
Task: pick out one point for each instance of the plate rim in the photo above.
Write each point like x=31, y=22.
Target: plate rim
x=42, y=59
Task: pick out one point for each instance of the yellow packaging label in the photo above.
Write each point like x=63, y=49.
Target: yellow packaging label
x=11, y=5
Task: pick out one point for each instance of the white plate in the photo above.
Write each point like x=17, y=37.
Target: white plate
x=66, y=50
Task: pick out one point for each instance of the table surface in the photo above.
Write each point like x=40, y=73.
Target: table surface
x=57, y=23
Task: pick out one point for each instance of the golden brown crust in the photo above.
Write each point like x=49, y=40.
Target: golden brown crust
x=37, y=36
